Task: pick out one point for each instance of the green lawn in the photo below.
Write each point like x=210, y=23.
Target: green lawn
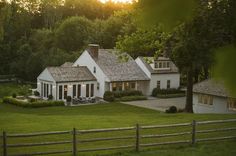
x=14, y=119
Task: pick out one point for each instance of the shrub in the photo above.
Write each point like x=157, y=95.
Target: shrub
x=132, y=98
x=119, y=94
x=68, y=99
x=29, y=104
x=50, y=97
x=157, y=91
x=36, y=93
x=172, y=109
x=109, y=96
x=14, y=95
x=32, y=100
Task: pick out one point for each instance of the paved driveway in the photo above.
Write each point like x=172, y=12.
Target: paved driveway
x=159, y=104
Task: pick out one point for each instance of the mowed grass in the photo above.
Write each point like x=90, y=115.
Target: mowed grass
x=14, y=119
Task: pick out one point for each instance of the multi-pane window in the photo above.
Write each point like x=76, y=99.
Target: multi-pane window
x=117, y=86
x=130, y=85
x=231, y=102
x=79, y=91
x=92, y=90
x=87, y=90
x=51, y=89
x=162, y=64
x=65, y=91
x=60, y=92
x=41, y=89
x=168, y=84
x=158, y=84
x=205, y=99
x=74, y=91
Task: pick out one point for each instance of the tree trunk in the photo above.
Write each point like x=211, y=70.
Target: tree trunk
x=189, y=93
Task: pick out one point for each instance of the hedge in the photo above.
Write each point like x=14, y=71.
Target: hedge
x=119, y=94
x=132, y=98
x=35, y=104
x=170, y=95
x=157, y=92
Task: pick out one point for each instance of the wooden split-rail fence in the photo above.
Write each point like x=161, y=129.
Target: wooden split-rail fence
x=75, y=150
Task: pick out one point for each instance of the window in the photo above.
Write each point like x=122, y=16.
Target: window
x=127, y=85
x=41, y=89
x=94, y=69
x=231, y=102
x=168, y=64
x=117, y=86
x=87, y=90
x=160, y=65
x=205, y=99
x=132, y=85
x=74, y=91
x=60, y=92
x=47, y=91
x=92, y=90
x=98, y=86
x=65, y=91
x=158, y=84
x=79, y=91
x=164, y=64
x=44, y=90
x=51, y=89
x=156, y=65
x=168, y=84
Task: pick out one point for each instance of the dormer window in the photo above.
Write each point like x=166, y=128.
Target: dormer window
x=162, y=65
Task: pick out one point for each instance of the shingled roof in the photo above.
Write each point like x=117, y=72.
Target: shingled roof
x=116, y=69
x=148, y=60
x=71, y=74
x=67, y=64
x=211, y=87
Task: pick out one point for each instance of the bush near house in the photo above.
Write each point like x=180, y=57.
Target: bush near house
x=167, y=93
x=132, y=95
x=32, y=104
x=132, y=98
x=109, y=96
x=119, y=94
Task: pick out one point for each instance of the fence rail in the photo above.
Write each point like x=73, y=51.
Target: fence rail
x=74, y=141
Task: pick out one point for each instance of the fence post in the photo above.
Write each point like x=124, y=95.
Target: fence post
x=4, y=137
x=74, y=150
x=137, y=137
x=193, y=132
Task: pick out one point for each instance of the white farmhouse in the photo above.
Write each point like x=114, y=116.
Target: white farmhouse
x=210, y=96
x=162, y=72
x=111, y=72
x=99, y=70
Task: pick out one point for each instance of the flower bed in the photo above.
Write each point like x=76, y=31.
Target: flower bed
x=32, y=104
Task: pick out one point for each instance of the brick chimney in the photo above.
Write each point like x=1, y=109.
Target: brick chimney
x=93, y=50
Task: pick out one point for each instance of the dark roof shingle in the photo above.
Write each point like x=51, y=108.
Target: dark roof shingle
x=71, y=74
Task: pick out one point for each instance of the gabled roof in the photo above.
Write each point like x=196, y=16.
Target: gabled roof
x=71, y=74
x=116, y=69
x=211, y=87
x=148, y=60
x=67, y=64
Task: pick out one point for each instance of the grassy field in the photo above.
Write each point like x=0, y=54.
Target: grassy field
x=25, y=120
